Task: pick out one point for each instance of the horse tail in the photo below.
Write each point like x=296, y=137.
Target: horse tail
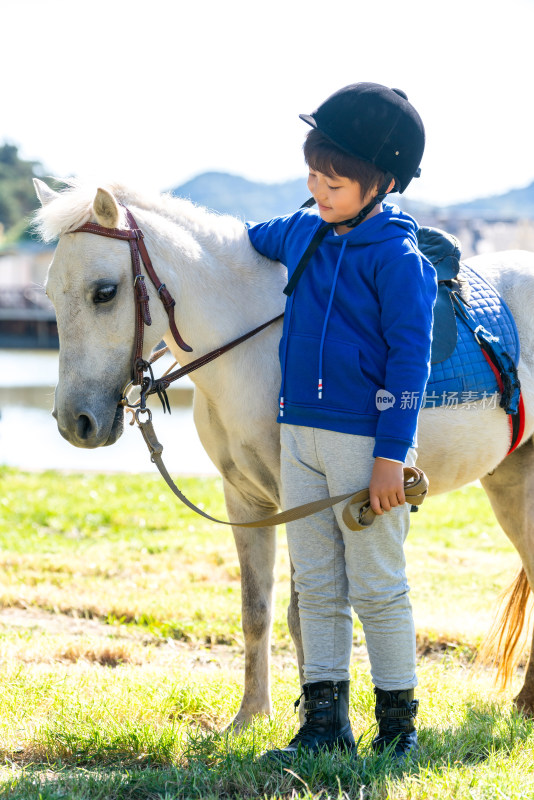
x=504, y=643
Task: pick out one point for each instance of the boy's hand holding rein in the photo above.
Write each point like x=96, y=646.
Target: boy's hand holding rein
x=386, y=489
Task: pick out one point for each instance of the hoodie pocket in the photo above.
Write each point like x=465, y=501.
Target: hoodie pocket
x=344, y=387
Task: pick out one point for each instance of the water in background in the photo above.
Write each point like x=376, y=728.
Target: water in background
x=29, y=438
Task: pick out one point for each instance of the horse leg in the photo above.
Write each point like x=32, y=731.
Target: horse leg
x=510, y=489
x=256, y=549
x=293, y=621
x=525, y=699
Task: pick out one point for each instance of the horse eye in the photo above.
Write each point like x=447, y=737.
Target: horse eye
x=104, y=294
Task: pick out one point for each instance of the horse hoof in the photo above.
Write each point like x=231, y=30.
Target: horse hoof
x=524, y=702
x=236, y=726
x=242, y=721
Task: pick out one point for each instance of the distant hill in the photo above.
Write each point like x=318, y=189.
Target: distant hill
x=515, y=204
x=231, y=194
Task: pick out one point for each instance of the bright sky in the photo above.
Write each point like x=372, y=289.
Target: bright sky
x=154, y=92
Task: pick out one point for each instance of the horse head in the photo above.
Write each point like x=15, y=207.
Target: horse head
x=90, y=285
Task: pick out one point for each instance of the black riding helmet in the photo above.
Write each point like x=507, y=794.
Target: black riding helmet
x=374, y=123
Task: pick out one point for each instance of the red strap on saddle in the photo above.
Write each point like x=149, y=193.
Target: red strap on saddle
x=517, y=421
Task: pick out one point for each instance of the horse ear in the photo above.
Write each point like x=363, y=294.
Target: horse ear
x=44, y=193
x=106, y=209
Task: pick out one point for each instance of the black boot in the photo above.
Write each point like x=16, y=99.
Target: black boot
x=326, y=724
x=395, y=713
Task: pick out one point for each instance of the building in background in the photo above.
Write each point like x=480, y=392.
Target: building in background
x=27, y=317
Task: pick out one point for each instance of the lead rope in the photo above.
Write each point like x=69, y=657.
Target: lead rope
x=415, y=489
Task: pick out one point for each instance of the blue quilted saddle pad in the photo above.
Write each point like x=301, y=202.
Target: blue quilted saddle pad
x=466, y=376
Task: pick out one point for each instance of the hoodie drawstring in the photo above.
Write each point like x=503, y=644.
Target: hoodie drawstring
x=326, y=317
x=289, y=309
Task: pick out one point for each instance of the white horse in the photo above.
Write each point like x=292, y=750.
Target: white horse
x=224, y=288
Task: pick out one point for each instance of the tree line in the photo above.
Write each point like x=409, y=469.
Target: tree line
x=17, y=195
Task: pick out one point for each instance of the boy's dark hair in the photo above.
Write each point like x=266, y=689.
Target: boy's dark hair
x=324, y=156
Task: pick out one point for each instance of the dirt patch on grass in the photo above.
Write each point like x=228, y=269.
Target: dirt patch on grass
x=71, y=639
x=74, y=640
x=46, y=621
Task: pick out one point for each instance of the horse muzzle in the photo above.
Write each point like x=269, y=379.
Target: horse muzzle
x=85, y=426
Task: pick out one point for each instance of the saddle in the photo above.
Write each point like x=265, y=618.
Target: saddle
x=444, y=252
x=475, y=343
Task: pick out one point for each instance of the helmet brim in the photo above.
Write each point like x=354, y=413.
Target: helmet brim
x=309, y=119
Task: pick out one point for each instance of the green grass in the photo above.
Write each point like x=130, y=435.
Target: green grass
x=122, y=656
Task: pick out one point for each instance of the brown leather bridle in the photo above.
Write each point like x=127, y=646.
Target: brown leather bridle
x=134, y=236
x=139, y=255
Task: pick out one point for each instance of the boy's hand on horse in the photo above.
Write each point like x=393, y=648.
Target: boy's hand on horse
x=386, y=489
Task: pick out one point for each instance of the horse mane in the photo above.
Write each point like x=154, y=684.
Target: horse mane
x=73, y=206
x=206, y=236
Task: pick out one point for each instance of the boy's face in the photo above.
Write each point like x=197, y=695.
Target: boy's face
x=337, y=198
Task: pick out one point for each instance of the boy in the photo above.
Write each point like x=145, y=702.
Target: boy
x=355, y=355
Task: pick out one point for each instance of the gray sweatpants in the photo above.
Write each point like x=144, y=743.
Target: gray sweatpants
x=336, y=568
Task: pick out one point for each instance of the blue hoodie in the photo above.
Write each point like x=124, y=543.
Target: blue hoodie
x=355, y=348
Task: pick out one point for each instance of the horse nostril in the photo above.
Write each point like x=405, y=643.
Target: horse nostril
x=84, y=427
